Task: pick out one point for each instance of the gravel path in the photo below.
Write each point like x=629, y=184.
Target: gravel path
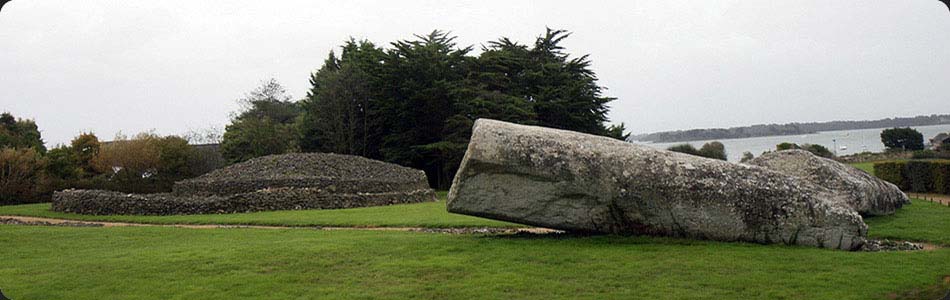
x=36, y=221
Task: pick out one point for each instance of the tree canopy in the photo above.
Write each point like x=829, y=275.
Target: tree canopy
x=902, y=139
x=264, y=126
x=414, y=103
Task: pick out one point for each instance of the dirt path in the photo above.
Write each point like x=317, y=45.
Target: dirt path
x=20, y=220
x=943, y=199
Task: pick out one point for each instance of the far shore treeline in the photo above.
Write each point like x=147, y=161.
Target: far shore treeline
x=412, y=103
x=786, y=129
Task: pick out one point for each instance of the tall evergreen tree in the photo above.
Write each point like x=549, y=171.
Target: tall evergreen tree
x=340, y=111
x=414, y=104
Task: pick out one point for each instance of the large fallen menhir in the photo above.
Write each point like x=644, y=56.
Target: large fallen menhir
x=275, y=182
x=863, y=192
x=579, y=182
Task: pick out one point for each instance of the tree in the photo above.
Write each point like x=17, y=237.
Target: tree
x=414, y=103
x=902, y=139
x=20, y=133
x=340, y=113
x=618, y=132
x=84, y=148
x=562, y=90
x=264, y=126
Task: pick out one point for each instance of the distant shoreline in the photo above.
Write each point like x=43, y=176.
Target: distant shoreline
x=763, y=130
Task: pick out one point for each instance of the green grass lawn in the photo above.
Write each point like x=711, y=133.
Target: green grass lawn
x=865, y=166
x=179, y=263
x=920, y=221
x=176, y=263
x=430, y=214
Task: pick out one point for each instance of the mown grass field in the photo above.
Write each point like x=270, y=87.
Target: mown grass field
x=865, y=166
x=181, y=263
x=429, y=215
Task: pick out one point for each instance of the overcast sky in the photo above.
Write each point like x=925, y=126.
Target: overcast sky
x=172, y=66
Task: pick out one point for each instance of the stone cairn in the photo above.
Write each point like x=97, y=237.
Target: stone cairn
x=578, y=182
x=275, y=182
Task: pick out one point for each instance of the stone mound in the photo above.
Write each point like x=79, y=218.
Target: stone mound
x=276, y=182
x=335, y=172
x=584, y=183
x=865, y=193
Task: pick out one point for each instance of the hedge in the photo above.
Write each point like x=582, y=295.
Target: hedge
x=919, y=176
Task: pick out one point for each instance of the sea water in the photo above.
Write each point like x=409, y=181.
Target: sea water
x=843, y=142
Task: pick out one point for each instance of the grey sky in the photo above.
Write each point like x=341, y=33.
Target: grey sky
x=105, y=66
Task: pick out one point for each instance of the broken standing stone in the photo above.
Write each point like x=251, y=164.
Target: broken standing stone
x=573, y=181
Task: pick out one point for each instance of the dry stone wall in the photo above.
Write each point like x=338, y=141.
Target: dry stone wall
x=277, y=182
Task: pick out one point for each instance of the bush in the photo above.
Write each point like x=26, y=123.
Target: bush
x=714, y=150
x=786, y=146
x=891, y=171
x=818, y=150
x=22, y=176
x=930, y=154
x=941, y=181
x=747, y=157
x=146, y=163
x=919, y=176
x=684, y=148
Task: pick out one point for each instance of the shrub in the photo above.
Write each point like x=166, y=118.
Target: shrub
x=714, y=150
x=684, y=148
x=22, y=176
x=891, y=171
x=818, y=150
x=146, y=163
x=786, y=146
x=746, y=157
x=815, y=149
x=930, y=154
x=919, y=176
x=941, y=181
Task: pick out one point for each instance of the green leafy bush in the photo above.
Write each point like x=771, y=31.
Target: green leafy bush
x=941, y=180
x=815, y=149
x=714, y=150
x=891, y=171
x=930, y=154
x=22, y=176
x=684, y=148
x=786, y=146
x=919, y=176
